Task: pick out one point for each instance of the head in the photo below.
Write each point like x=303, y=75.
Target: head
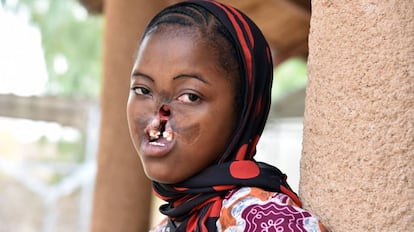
x=186, y=93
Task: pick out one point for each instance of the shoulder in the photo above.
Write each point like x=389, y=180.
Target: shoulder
x=254, y=209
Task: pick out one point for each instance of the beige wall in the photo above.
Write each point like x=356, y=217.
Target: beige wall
x=357, y=169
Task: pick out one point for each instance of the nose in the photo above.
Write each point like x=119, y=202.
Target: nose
x=164, y=113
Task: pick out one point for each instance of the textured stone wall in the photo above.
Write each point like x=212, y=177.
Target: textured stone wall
x=357, y=167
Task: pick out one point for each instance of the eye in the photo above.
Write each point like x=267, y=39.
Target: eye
x=189, y=98
x=139, y=90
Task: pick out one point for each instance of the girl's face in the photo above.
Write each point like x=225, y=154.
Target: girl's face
x=181, y=106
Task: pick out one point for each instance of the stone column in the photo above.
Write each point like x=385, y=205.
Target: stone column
x=122, y=192
x=357, y=169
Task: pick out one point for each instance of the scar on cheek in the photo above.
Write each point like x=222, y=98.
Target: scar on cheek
x=188, y=134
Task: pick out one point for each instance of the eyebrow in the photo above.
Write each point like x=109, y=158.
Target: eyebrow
x=137, y=73
x=195, y=76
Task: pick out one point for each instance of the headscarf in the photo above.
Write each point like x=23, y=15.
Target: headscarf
x=196, y=202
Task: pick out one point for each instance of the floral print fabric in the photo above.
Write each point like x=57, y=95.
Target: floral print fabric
x=253, y=209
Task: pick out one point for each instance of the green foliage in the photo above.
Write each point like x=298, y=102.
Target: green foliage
x=289, y=76
x=72, y=43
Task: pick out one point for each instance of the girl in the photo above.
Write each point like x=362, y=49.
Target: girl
x=199, y=100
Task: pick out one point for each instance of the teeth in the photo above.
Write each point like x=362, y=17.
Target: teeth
x=154, y=134
x=167, y=135
x=157, y=144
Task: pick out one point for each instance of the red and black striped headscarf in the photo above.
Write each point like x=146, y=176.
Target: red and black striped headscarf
x=196, y=202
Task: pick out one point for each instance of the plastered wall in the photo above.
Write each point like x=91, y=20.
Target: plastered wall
x=357, y=167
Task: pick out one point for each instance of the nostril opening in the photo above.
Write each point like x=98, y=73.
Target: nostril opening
x=164, y=112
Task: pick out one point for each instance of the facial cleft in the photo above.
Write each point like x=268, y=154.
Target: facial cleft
x=168, y=135
x=154, y=134
x=159, y=126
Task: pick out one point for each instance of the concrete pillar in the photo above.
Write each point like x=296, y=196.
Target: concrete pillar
x=357, y=169
x=122, y=192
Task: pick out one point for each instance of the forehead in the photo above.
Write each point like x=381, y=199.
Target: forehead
x=183, y=40
x=212, y=40
x=175, y=30
x=172, y=36
x=176, y=48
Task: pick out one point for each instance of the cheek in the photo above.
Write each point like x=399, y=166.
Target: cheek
x=139, y=124
x=138, y=116
x=186, y=124
x=188, y=134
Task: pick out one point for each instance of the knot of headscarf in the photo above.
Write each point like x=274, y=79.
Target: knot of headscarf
x=196, y=202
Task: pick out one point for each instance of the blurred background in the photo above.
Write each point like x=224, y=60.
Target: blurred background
x=50, y=71
x=50, y=78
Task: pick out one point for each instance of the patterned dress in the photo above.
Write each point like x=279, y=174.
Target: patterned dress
x=254, y=210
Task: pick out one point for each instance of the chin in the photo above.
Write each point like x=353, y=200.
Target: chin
x=163, y=179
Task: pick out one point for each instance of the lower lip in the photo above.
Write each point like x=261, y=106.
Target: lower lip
x=159, y=148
